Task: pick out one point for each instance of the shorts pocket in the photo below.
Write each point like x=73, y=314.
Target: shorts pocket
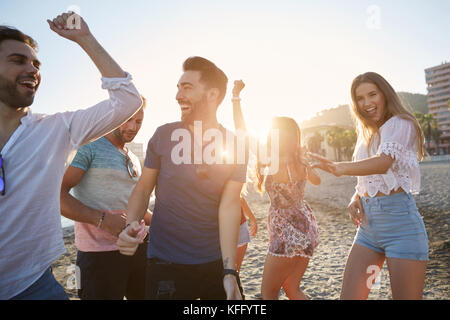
x=399, y=208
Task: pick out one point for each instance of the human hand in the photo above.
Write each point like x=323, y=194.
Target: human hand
x=356, y=212
x=302, y=157
x=71, y=26
x=231, y=287
x=238, y=86
x=324, y=164
x=129, y=239
x=114, y=222
x=318, y=157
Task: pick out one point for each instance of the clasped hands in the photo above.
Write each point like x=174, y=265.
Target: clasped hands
x=355, y=208
x=325, y=164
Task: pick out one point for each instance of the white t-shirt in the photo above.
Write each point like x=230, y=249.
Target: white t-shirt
x=35, y=159
x=397, y=138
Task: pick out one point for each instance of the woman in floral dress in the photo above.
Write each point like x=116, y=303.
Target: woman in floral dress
x=293, y=231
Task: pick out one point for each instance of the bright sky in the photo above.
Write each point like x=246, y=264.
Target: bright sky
x=296, y=57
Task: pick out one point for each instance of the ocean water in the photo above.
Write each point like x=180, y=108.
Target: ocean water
x=65, y=223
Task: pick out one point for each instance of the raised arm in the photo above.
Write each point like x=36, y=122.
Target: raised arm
x=238, y=117
x=90, y=124
x=73, y=27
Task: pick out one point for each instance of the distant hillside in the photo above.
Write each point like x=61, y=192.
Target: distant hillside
x=415, y=102
x=341, y=115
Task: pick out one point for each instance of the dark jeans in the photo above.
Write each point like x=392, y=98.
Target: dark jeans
x=111, y=275
x=45, y=288
x=171, y=281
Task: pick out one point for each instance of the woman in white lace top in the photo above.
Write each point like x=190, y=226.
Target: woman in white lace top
x=386, y=162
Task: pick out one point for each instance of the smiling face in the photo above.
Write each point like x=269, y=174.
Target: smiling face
x=19, y=74
x=371, y=102
x=192, y=97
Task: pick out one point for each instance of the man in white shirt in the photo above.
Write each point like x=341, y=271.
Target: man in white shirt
x=34, y=152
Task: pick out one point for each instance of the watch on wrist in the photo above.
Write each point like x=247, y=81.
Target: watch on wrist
x=230, y=271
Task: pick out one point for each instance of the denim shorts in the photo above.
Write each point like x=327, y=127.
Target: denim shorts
x=244, y=234
x=393, y=227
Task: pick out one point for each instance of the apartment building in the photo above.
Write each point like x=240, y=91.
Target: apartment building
x=438, y=98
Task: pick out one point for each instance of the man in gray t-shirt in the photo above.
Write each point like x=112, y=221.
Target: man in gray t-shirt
x=195, y=225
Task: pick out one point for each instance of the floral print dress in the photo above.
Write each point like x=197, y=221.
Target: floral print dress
x=292, y=226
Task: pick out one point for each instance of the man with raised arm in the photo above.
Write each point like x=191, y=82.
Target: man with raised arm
x=34, y=152
x=195, y=223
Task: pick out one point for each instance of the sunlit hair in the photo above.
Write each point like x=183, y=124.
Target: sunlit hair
x=10, y=33
x=210, y=75
x=290, y=140
x=393, y=107
x=144, y=102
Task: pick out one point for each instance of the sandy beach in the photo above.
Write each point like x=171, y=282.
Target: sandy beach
x=323, y=278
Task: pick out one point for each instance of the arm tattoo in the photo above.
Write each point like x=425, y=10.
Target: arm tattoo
x=226, y=262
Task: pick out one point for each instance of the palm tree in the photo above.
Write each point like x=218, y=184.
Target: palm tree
x=419, y=116
x=334, y=140
x=314, y=143
x=436, y=134
x=348, y=142
x=428, y=124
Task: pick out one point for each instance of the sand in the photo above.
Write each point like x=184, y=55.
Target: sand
x=323, y=278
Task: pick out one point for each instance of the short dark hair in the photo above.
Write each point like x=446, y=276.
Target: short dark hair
x=210, y=74
x=10, y=33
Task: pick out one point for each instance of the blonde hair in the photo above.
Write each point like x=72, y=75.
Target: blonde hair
x=393, y=106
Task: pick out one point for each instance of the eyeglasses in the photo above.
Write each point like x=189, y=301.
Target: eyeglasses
x=132, y=170
x=2, y=178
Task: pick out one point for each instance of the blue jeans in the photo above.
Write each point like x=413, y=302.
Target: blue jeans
x=394, y=227
x=45, y=288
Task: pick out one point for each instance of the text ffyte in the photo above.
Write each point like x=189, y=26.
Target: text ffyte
x=234, y=309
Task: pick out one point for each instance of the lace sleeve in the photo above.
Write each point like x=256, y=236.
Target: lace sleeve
x=398, y=141
x=398, y=152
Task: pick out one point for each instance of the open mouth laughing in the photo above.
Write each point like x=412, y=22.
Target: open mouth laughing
x=29, y=84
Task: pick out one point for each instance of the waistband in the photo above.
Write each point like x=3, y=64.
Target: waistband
x=384, y=199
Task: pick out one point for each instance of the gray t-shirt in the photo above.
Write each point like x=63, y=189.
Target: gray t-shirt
x=185, y=227
x=106, y=185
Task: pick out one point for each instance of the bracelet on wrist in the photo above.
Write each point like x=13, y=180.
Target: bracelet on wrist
x=235, y=99
x=230, y=271
x=101, y=220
